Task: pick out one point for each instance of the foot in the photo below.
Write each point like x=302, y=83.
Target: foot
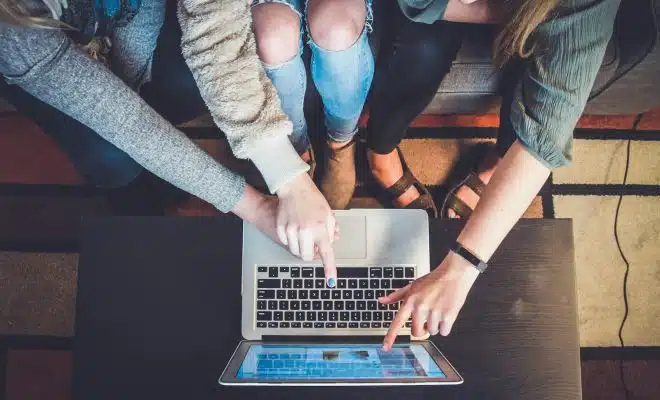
x=486, y=170
x=387, y=170
x=338, y=181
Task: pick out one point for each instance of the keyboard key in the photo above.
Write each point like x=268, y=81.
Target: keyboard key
x=281, y=294
x=376, y=272
x=385, y=284
x=386, y=324
x=286, y=283
x=342, y=325
x=297, y=283
x=265, y=294
x=311, y=316
x=262, y=268
x=398, y=272
x=284, y=324
x=319, y=283
x=336, y=295
x=410, y=272
x=319, y=325
x=388, y=272
x=352, y=272
x=284, y=305
x=376, y=325
x=394, y=306
x=278, y=316
x=346, y=294
x=272, y=304
x=294, y=305
x=288, y=316
x=366, y=316
x=355, y=316
x=261, y=305
x=327, y=305
x=344, y=316
x=365, y=325
x=295, y=272
x=350, y=305
x=272, y=324
x=308, y=325
x=353, y=325
x=339, y=305
x=389, y=292
x=333, y=316
x=320, y=272
x=361, y=305
x=382, y=307
x=303, y=294
x=308, y=272
x=372, y=305
x=330, y=324
x=322, y=315
x=300, y=315
x=341, y=283
x=272, y=272
x=352, y=283
x=284, y=269
x=261, y=324
x=264, y=315
x=306, y=305
x=363, y=283
x=380, y=293
x=389, y=316
x=399, y=283
x=292, y=294
x=296, y=324
x=325, y=294
x=374, y=284
x=314, y=294
x=377, y=316
x=317, y=305
x=308, y=284
x=358, y=294
x=369, y=294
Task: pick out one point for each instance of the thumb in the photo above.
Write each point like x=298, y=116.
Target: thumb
x=395, y=296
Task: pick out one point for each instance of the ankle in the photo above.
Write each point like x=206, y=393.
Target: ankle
x=382, y=163
x=338, y=145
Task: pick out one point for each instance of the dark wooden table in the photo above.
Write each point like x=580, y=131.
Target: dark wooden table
x=159, y=308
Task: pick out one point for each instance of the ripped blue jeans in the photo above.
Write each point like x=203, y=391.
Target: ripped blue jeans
x=342, y=78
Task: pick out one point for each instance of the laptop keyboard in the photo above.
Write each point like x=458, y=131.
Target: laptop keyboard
x=291, y=296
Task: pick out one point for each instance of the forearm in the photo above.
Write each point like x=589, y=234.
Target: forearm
x=516, y=181
x=477, y=12
x=220, y=49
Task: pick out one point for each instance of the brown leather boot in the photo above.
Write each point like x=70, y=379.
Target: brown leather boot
x=338, y=181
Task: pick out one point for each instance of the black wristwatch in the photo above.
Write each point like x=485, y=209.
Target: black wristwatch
x=468, y=256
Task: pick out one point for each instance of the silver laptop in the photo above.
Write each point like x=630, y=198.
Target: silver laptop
x=300, y=332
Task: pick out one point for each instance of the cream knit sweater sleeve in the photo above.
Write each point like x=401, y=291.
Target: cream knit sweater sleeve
x=220, y=49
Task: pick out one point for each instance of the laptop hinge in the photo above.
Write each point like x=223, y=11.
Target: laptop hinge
x=332, y=339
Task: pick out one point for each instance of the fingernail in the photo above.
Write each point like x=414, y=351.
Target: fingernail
x=331, y=282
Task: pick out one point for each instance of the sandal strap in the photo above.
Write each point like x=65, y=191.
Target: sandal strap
x=404, y=183
x=475, y=183
x=459, y=206
x=423, y=202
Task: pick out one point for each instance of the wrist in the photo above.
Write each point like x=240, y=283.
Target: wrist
x=250, y=204
x=289, y=188
x=461, y=267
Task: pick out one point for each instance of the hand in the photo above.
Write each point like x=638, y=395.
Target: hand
x=305, y=223
x=434, y=300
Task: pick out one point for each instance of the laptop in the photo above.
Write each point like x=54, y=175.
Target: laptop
x=298, y=331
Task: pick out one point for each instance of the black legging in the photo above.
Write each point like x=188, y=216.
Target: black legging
x=412, y=62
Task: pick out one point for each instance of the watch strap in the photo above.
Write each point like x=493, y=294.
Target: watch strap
x=468, y=256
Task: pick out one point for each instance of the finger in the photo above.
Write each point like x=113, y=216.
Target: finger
x=306, y=244
x=292, y=236
x=281, y=234
x=418, y=320
x=395, y=296
x=433, y=322
x=400, y=319
x=328, y=258
x=446, y=325
x=331, y=225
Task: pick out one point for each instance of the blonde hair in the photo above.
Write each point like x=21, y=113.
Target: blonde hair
x=514, y=38
x=18, y=12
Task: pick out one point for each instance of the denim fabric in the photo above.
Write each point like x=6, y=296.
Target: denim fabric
x=342, y=78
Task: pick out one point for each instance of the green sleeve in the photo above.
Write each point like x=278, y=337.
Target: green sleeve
x=424, y=11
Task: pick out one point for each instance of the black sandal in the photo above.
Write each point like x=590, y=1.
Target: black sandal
x=452, y=202
x=408, y=180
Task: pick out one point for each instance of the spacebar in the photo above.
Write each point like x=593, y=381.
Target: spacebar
x=352, y=272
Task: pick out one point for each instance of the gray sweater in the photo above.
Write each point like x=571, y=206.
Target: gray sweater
x=219, y=46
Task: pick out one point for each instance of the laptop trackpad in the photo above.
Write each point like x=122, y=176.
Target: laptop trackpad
x=352, y=241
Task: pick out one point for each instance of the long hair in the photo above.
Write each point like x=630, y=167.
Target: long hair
x=27, y=13
x=514, y=38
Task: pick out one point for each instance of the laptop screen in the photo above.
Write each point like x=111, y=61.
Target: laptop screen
x=299, y=362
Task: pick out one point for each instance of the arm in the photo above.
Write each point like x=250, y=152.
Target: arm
x=47, y=65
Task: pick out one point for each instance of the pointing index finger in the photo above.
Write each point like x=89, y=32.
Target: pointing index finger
x=327, y=254
x=400, y=319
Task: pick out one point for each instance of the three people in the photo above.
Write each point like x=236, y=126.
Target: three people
x=553, y=47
